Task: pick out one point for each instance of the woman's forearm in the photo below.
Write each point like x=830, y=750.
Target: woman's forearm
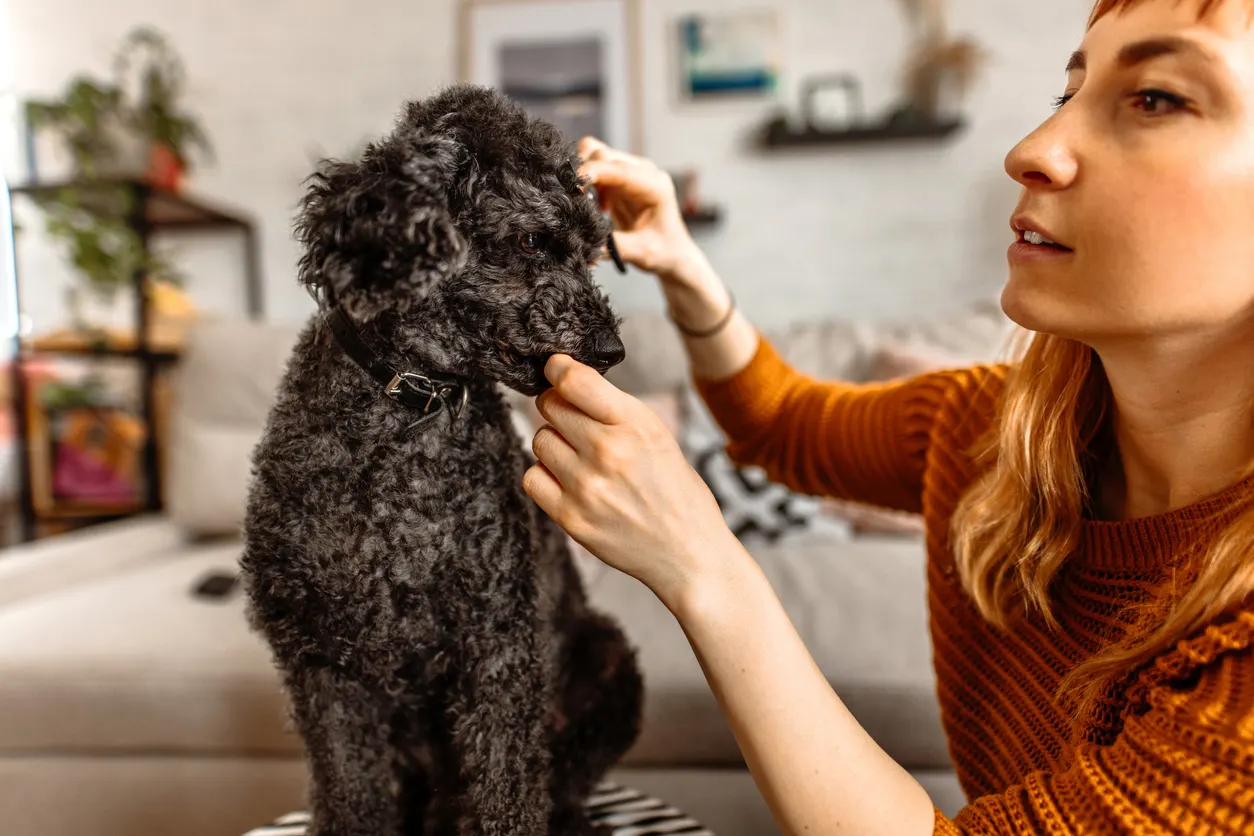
x=698, y=299
x=818, y=770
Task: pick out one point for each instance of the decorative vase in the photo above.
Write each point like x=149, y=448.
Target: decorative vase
x=929, y=94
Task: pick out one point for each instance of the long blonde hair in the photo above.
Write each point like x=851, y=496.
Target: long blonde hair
x=1019, y=522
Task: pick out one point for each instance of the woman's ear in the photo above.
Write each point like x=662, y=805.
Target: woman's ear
x=377, y=233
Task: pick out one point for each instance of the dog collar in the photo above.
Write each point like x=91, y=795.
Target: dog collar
x=428, y=394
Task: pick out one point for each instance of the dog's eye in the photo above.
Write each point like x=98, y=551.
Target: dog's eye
x=530, y=243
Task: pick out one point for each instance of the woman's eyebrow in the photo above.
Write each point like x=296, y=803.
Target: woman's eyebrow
x=1139, y=52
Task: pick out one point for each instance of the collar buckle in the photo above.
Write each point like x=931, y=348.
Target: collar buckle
x=429, y=396
x=418, y=384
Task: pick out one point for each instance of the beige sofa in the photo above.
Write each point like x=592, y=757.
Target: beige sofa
x=129, y=706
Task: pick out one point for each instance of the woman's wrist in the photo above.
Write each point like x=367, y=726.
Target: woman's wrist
x=688, y=268
x=716, y=574
x=696, y=298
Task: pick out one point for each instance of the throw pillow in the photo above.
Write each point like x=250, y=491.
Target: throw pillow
x=754, y=507
x=872, y=519
x=894, y=361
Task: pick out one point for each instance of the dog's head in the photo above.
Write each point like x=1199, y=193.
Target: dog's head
x=464, y=238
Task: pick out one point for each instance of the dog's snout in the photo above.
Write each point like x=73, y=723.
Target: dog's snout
x=608, y=351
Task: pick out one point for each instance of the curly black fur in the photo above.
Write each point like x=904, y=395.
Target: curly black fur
x=444, y=668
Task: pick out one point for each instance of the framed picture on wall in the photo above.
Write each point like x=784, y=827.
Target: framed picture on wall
x=570, y=62
x=729, y=54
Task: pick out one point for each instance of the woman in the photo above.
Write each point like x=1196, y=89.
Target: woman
x=1090, y=537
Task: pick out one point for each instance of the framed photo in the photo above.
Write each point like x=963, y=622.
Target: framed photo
x=570, y=62
x=729, y=54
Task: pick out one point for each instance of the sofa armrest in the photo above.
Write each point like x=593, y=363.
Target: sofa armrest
x=85, y=555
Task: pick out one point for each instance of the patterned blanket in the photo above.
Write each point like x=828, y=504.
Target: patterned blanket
x=628, y=812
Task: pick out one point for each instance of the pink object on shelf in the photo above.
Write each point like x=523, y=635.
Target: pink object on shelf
x=81, y=477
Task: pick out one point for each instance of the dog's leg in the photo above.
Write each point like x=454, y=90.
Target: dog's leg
x=497, y=712
x=354, y=786
x=601, y=693
x=601, y=704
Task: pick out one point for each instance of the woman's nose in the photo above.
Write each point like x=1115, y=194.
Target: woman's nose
x=1045, y=157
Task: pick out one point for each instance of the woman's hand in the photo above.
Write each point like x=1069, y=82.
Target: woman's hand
x=649, y=227
x=613, y=476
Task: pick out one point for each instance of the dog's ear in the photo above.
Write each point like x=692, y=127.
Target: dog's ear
x=377, y=233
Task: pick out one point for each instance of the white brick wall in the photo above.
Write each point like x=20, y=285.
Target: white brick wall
x=872, y=231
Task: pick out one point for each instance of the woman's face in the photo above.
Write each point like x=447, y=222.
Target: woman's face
x=1145, y=177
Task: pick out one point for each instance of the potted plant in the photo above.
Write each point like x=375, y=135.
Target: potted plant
x=132, y=126
x=106, y=253
x=156, y=114
x=113, y=131
x=91, y=118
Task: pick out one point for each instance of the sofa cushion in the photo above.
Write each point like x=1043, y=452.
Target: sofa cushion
x=832, y=349
x=656, y=361
x=83, y=556
x=223, y=392
x=860, y=608
x=134, y=663
x=977, y=333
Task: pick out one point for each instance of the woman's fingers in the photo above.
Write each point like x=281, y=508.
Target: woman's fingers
x=617, y=175
x=591, y=148
x=587, y=391
x=575, y=426
x=590, y=145
x=556, y=454
x=543, y=487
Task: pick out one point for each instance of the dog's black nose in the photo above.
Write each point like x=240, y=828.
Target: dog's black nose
x=608, y=351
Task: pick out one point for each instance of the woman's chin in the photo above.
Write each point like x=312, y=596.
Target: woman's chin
x=1031, y=307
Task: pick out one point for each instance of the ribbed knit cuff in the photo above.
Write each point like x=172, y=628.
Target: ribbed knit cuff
x=943, y=826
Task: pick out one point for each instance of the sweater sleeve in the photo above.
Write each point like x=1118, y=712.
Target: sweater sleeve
x=1185, y=765
x=865, y=443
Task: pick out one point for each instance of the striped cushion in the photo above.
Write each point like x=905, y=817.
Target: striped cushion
x=629, y=812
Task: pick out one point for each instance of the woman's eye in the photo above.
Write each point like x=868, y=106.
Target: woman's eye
x=1158, y=102
x=530, y=243
x=1059, y=101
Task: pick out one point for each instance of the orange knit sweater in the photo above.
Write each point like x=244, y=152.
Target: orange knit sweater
x=1168, y=749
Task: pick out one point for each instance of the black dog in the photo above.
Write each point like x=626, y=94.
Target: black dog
x=444, y=668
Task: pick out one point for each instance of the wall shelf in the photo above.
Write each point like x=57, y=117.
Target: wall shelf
x=777, y=135
x=904, y=122
x=703, y=216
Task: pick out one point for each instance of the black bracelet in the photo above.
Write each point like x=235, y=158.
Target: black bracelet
x=722, y=323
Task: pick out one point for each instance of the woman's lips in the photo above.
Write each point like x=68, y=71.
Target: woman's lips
x=1021, y=252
